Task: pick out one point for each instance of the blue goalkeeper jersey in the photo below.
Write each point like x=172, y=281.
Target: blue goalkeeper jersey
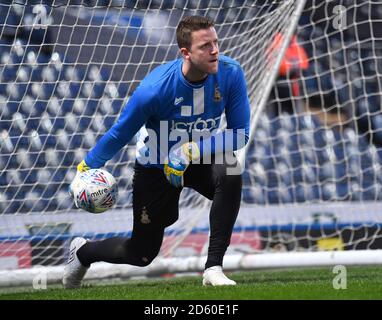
x=166, y=109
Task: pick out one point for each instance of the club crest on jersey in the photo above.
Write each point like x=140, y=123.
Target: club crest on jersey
x=217, y=95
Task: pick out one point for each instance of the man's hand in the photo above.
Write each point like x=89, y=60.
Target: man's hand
x=178, y=161
x=82, y=167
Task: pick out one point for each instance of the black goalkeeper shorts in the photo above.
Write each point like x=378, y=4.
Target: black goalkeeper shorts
x=156, y=201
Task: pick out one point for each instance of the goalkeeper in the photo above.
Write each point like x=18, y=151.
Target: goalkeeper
x=184, y=98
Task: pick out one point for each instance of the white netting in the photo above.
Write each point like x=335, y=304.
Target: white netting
x=312, y=178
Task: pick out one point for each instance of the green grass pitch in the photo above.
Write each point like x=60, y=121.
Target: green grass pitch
x=312, y=283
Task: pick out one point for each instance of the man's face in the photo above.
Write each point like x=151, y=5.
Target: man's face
x=204, y=50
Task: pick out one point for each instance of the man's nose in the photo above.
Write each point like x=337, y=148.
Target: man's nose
x=215, y=49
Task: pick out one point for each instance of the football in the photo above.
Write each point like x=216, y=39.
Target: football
x=95, y=190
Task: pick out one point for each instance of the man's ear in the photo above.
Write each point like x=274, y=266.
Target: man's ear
x=185, y=53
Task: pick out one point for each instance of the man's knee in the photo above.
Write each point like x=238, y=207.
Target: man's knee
x=225, y=179
x=144, y=261
x=142, y=256
x=140, y=260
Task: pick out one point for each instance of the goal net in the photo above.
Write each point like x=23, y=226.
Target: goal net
x=311, y=184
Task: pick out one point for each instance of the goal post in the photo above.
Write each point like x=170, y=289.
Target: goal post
x=312, y=174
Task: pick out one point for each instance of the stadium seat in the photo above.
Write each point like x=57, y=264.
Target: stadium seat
x=54, y=106
x=125, y=175
x=62, y=139
x=343, y=189
x=84, y=123
x=12, y=178
x=71, y=122
x=284, y=173
x=49, y=74
x=62, y=200
x=53, y=157
x=97, y=90
x=329, y=191
x=33, y=201
x=76, y=140
x=25, y=158
x=97, y=123
x=4, y=202
x=253, y=195
x=123, y=90
x=91, y=106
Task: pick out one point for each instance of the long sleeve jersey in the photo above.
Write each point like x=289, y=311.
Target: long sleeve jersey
x=166, y=110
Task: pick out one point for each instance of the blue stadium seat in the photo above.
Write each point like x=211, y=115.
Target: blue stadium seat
x=284, y=172
x=45, y=91
x=72, y=73
x=327, y=171
x=71, y=122
x=76, y=140
x=49, y=74
x=34, y=201
x=305, y=192
x=280, y=195
x=63, y=201
x=125, y=197
x=123, y=90
x=84, y=123
x=253, y=195
x=246, y=178
x=23, y=73
x=340, y=169
x=62, y=139
x=370, y=192
x=69, y=159
x=109, y=121
x=118, y=105
x=12, y=206
x=39, y=107
x=91, y=107
x=377, y=127
x=53, y=157
x=13, y=177
x=295, y=158
x=16, y=91
x=343, y=189
x=58, y=175
x=355, y=191
x=329, y=191
x=39, y=160
x=98, y=90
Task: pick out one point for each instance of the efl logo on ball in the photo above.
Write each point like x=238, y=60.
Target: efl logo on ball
x=94, y=190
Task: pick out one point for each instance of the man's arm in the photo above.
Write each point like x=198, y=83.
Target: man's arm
x=137, y=111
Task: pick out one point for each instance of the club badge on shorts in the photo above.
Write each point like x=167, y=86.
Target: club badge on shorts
x=144, y=216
